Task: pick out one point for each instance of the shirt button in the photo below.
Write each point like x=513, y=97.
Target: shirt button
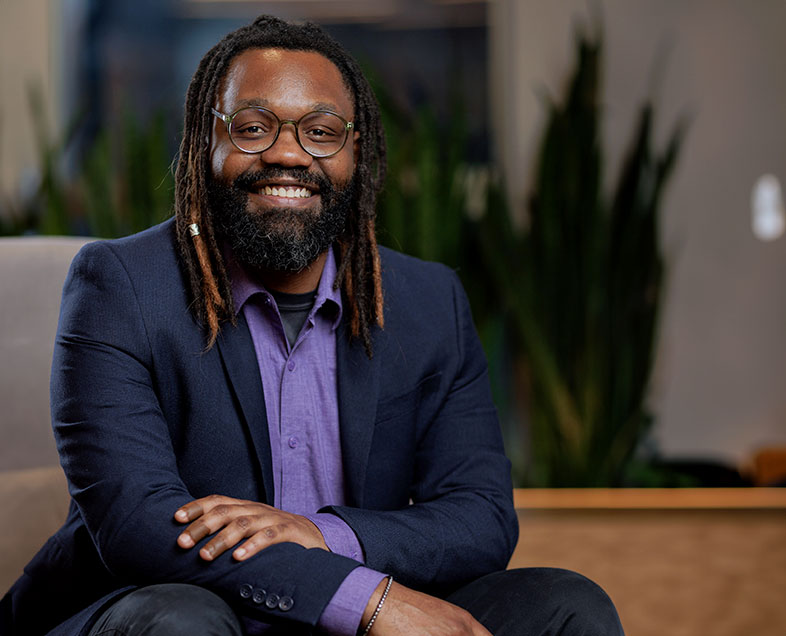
x=291, y=365
x=293, y=442
x=272, y=601
x=286, y=603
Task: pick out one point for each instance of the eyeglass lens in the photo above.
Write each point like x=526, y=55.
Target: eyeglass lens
x=320, y=133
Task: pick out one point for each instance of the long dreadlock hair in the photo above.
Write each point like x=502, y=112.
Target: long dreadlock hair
x=359, y=273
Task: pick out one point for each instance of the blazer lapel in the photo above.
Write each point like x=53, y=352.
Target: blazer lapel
x=358, y=387
x=240, y=363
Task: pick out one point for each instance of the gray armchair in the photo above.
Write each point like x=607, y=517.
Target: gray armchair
x=33, y=492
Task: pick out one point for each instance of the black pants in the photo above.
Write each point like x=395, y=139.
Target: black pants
x=524, y=602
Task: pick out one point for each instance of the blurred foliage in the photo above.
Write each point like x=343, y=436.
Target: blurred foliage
x=567, y=309
x=433, y=199
x=421, y=211
x=432, y=207
x=583, y=285
x=122, y=184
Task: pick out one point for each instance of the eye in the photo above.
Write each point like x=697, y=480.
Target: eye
x=322, y=127
x=320, y=132
x=252, y=123
x=251, y=129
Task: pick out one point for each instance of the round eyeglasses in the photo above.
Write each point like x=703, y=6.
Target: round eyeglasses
x=320, y=133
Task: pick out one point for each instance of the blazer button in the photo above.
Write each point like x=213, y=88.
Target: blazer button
x=272, y=601
x=246, y=591
x=259, y=596
x=286, y=603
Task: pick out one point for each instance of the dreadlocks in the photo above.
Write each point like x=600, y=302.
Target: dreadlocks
x=359, y=272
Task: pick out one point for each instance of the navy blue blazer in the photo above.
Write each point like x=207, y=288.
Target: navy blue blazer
x=146, y=420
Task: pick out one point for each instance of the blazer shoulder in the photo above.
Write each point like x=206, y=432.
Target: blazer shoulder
x=143, y=269
x=402, y=272
x=150, y=254
x=154, y=242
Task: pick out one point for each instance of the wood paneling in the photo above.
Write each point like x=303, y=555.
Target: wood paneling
x=695, y=563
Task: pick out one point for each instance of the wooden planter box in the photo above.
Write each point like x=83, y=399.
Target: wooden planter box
x=682, y=562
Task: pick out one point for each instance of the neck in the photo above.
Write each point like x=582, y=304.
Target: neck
x=300, y=282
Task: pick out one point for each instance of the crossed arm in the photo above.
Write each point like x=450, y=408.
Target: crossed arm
x=117, y=449
x=247, y=527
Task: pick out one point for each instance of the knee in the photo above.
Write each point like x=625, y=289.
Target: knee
x=580, y=605
x=539, y=601
x=173, y=609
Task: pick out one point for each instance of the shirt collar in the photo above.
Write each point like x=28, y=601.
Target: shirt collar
x=244, y=286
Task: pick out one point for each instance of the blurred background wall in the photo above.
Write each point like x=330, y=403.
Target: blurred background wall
x=28, y=53
x=717, y=391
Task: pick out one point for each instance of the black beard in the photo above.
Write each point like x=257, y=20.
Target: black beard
x=281, y=239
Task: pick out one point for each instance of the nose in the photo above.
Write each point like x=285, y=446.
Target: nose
x=286, y=151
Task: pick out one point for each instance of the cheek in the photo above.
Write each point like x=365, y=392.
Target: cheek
x=342, y=170
x=217, y=160
x=226, y=165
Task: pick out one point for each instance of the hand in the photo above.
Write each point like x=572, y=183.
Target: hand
x=409, y=612
x=237, y=519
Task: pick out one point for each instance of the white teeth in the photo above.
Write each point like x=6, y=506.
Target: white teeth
x=291, y=193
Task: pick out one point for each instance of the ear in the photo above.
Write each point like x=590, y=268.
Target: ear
x=355, y=148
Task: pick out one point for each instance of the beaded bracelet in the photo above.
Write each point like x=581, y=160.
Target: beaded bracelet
x=379, y=606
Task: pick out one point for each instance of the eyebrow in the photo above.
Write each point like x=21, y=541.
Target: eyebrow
x=242, y=103
x=264, y=103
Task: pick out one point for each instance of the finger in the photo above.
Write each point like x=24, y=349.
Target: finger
x=189, y=512
x=259, y=541
x=481, y=631
x=194, y=509
x=193, y=535
x=238, y=529
x=210, y=522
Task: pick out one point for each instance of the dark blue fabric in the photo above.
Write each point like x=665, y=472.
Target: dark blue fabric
x=523, y=602
x=539, y=602
x=145, y=420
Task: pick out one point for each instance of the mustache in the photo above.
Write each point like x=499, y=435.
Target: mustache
x=247, y=180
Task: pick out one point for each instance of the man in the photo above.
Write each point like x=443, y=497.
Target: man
x=267, y=423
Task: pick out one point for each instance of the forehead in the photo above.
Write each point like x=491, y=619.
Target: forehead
x=284, y=80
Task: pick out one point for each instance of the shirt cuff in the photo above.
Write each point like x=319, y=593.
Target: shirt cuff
x=342, y=615
x=339, y=537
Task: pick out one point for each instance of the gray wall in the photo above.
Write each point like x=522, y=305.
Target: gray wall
x=718, y=388
x=27, y=55
x=719, y=383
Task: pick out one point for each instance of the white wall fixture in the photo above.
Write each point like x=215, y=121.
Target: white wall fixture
x=767, y=213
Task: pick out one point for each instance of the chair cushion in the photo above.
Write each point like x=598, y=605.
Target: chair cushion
x=34, y=504
x=32, y=271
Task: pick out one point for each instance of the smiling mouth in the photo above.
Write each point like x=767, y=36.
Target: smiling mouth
x=287, y=192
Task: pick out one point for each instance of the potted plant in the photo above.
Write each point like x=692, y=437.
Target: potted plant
x=583, y=286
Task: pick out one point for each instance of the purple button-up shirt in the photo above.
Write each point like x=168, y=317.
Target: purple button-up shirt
x=301, y=402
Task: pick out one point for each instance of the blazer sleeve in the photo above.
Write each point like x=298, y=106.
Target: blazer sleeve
x=117, y=452
x=460, y=522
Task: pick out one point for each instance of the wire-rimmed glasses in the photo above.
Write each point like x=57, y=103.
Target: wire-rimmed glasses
x=253, y=129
